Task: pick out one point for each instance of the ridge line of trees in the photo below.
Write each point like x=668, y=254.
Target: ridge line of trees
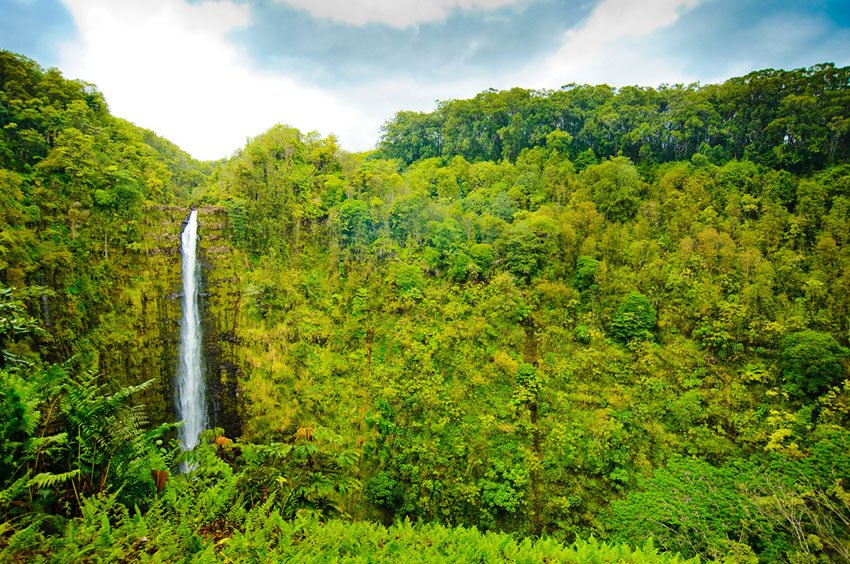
x=797, y=120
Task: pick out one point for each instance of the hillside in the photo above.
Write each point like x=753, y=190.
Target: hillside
x=613, y=312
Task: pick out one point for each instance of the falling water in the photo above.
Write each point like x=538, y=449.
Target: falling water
x=191, y=402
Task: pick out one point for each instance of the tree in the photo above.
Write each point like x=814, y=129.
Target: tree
x=634, y=319
x=530, y=244
x=616, y=188
x=586, y=268
x=811, y=362
x=693, y=508
x=355, y=222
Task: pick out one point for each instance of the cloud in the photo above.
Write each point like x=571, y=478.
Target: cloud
x=393, y=13
x=614, y=46
x=168, y=66
x=332, y=54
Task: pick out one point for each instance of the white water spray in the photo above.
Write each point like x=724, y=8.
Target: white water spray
x=191, y=397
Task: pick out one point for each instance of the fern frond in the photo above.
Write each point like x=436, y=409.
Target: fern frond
x=39, y=443
x=160, y=430
x=15, y=489
x=32, y=421
x=48, y=479
x=20, y=403
x=122, y=395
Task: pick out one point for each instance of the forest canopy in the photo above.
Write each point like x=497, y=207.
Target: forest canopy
x=796, y=120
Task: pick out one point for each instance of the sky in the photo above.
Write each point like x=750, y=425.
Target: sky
x=209, y=75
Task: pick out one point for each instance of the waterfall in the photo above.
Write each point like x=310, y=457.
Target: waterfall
x=191, y=400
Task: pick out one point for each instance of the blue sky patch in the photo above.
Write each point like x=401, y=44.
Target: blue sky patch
x=35, y=28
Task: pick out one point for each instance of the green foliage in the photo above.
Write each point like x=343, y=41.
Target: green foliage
x=46, y=480
x=62, y=439
x=634, y=319
x=409, y=280
x=81, y=192
x=616, y=188
x=789, y=119
x=582, y=334
x=482, y=254
x=383, y=491
x=15, y=323
x=355, y=223
x=811, y=362
x=457, y=338
x=108, y=531
x=783, y=508
x=586, y=268
x=695, y=508
x=315, y=476
x=530, y=245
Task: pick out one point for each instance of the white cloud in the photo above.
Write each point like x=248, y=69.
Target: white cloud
x=395, y=13
x=614, y=46
x=169, y=67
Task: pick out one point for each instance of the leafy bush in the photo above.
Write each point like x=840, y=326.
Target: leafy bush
x=634, y=319
x=774, y=507
x=383, y=491
x=581, y=334
x=586, y=268
x=616, y=188
x=811, y=362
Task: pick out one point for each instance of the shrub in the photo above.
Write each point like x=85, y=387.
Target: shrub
x=634, y=320
x=811, y=362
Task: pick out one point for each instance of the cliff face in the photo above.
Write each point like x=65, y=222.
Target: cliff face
x=221, y=266
x=139, y=340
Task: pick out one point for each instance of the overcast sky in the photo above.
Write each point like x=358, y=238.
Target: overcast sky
x=208, y=75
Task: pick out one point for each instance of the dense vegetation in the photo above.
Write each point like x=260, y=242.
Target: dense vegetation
x=620, y=313
x=795, y=120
